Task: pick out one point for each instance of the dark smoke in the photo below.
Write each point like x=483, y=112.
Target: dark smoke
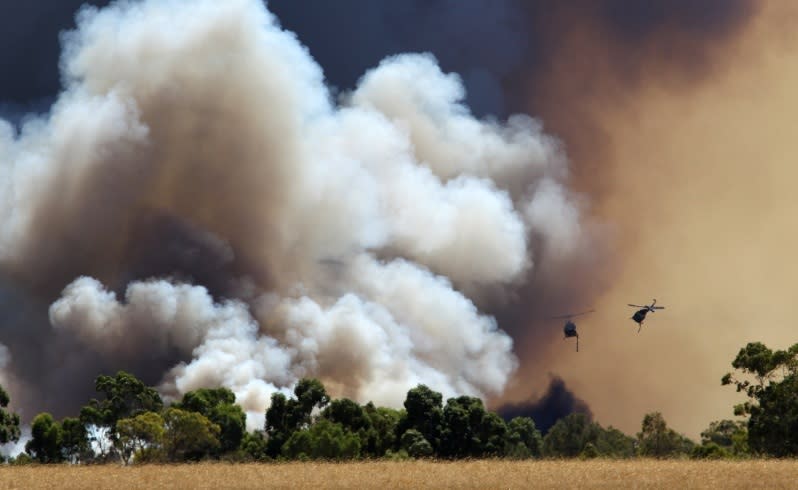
x=589, y=51
x=123, y=219
x=556, y=403
x=593, y=65
x=177, y=212
x=520, y=46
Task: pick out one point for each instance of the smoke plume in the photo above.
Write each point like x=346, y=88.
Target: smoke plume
x=197, y=208
x=203, y=205
x=683, y=137
x=557, y=402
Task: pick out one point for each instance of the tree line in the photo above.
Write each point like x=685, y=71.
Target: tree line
x=129, y=423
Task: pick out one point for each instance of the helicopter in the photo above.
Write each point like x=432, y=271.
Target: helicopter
x=569, y=329
x=640, y=314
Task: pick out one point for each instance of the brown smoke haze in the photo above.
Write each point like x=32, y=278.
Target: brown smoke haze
x=200, y=208
x=689, y=150
x=197, y=208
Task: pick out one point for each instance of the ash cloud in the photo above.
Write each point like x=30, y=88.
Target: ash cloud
x=557, y=402
x=584, y=54
x=640, y=95
x=197, y=208
x=209, y=153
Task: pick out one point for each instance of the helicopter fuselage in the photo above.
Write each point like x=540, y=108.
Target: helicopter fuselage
x=640, y=315
x=570, y=329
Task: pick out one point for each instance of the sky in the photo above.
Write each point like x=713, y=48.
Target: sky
x=665, y=128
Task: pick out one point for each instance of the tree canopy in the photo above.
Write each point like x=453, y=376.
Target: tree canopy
x=125, y=396
x=9, y=421
x=770, y=380
x=309, y=424
x=218, y=405
x=658, y=440
x=188, y=435
x=46, y=439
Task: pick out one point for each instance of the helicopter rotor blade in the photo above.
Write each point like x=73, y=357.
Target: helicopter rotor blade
x=658, y=307
x=637, y=306
x=570, y=316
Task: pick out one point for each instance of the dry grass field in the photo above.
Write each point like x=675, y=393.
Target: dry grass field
x=416, y=474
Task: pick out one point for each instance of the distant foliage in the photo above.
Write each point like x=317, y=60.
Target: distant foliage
x=415, y=445
x=253, y=448
x=522, y=440
x=124, y=396
x=130, y=424
x=323, y=440
x=770, y=380
x=577, y=436
x=218, y=406
x=286, y=416
x=723, y=438
x=709, y=450
x=568, y=437
x=380, y=437
x=657, y=440
x=46, y=440
x=424, y=414
x=613, y=443
x=75, y=447
x=9, y=421
x=141, y=435
x=188, y=435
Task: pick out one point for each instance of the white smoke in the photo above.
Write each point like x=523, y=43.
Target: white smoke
x=5, y=360
x=355, y=238
x=14, y=449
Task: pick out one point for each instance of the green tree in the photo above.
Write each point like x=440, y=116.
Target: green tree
x=492, y=435
x=569, y=436
x=22, y=459
x=773, y=405
x=74, y=440
x=462, y=428
x=188, y=435
x=589, y=452
x=657, y=440
x=285, y=416
x=45, y=443
x=322, y=440
x=141, y=435
x=9, y=421
x=349, y=414
x=730, y=435
x=354, y=418
x=218, y=405
x=709, y=450
x=310, y=393
x=423, y=413
x=380, y=437
x=415, y=444
x=254, y=447
x=613, y=443
x=523, y=439
x=471, y=431
x=276, y=425
x=125, y=396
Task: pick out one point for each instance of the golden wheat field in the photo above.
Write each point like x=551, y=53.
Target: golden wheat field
x=416, y=474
